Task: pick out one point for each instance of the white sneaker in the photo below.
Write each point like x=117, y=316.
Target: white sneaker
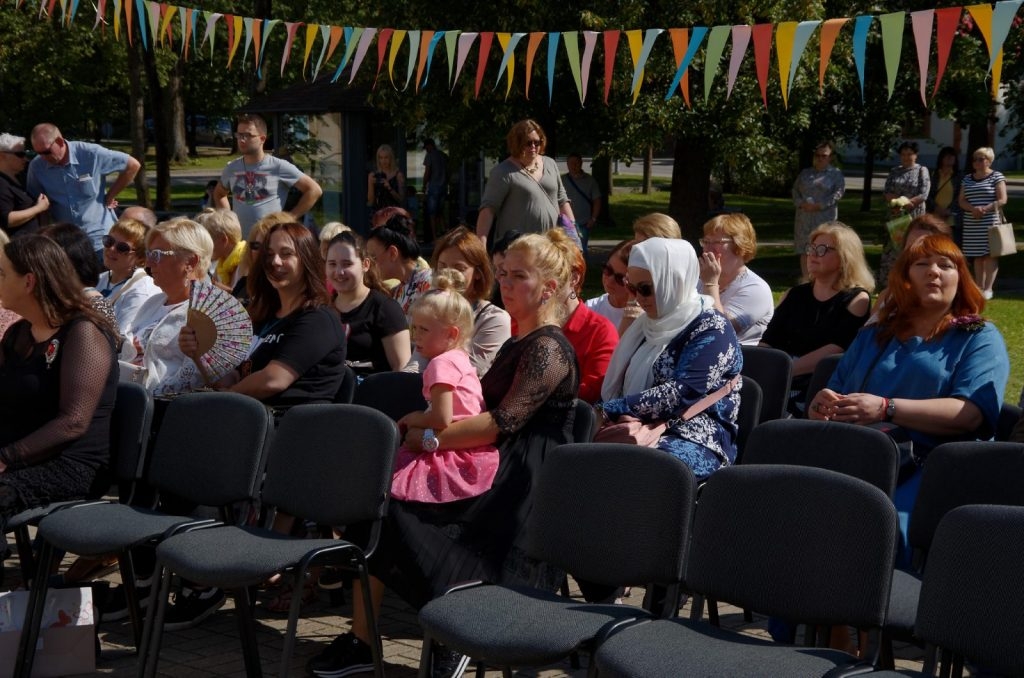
x=987, y=294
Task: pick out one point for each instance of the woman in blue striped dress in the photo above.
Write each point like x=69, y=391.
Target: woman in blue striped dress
x=982, y=194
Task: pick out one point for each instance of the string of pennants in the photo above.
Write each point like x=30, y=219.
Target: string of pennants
x=790, y=38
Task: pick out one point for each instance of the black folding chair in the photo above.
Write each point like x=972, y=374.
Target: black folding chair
x=396, y=394
x=772, y=369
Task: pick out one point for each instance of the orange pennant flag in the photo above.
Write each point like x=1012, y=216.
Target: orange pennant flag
x=680, y=44
x=531, y=52
x=829, y=32
x=421, y=64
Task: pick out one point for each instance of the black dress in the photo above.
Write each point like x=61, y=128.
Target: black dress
x=530, y=391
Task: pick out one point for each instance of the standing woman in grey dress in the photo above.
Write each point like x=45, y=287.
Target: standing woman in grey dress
x=982, y=194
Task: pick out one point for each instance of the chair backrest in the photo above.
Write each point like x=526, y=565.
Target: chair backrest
x=612, y=514
x=822, y=373
x=347, y=390
x=331, y=464
x=396, y=394
x=584, y=423
x=962, y=473
x=749, y=414
x=1009, y=415
x=858, y=451
x=794, y=542
x=772, y=369
x=971, y=596
x=210, y=448
x=129, y=431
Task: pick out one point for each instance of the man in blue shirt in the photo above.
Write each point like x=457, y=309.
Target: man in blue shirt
x=73, y=175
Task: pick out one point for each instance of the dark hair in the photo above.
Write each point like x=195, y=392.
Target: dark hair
x=265, y=300
x=502, y=244
x=574, y=154
x=943, y=153
x=78, y=247
x=372, y=276
x=398, y=231
x=59, y=295
x=253, y=119
x=912, y=145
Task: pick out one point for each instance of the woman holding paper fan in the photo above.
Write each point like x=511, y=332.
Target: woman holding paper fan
x=178, y=252
x=298, y=351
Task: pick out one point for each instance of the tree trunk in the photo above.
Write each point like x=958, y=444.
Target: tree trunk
x=869, y=171
x=161, y=132
x=691, y=179
x=648, y=162
x=175, y=97
x=137, y=114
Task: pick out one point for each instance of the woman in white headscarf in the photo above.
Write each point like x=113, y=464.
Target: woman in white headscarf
x=678, y=353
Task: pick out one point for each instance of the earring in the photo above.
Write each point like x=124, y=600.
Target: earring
x=543, y=301
x=572, y=295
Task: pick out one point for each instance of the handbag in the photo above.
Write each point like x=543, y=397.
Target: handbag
x=632, y=431
x=1001, y=240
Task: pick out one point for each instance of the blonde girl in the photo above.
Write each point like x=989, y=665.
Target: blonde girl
x=442, y=324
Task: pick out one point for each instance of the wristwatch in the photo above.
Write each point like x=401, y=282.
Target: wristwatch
x=890, y=409
x=430, y=442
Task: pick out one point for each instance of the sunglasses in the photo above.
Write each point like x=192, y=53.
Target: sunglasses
x=619, y=278
x=20, y=154
x=122, y=247
x=254, y=246
x=156, y=256
x=533, y=142
x=709, y=242
x=644, y=289
x=818, y=250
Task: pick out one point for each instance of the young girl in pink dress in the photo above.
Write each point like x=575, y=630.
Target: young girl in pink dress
x=442, y=323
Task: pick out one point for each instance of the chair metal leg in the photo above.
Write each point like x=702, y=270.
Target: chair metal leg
x=713, y=612
x=33, y=617
x=696, y=608
x=153, y=634
x=26, y=559
x=371, y=618
x=247, y=633
x=481, y=670
x=426, y=656
x=293, y=621
x=126, y=567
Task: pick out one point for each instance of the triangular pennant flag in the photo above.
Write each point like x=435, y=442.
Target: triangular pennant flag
x=589, y=43
x=829, y=32
x=611, y=48
x=364, y=46
x=784, y=36
x=290, y=29
x=414, y=51
x=640, y=60
x=994, y=24
x=128, y=19
x=382, y=46
x=140, y=19
x=553, y=39
x=997, y=73
x=311, y=31
x=922, y=24
x=572, y=52
x=431, y=48
x=946, y=22
x=486, y=38
x=153, y=16
x=508, y=43
x=762, y=35
x=267, y=29
x=193, y=18
x=235, y=36
x=531, y=52
x=465, y=42
x=352, y=36
x=804, y=30
x=397, y=38
x=336, y=34
x=247, y=24
x=426, y=42
x=74, y=11
x=680, y=38
x=740, y=40
x=693, y=44
x=167, y=14
x=101, y=14
x=325, y=39
x=186, y=32
x=713, y=56
x=117, y=19
x=451, y=41
x=211, y=32
x=892, y=44
x=861, y=26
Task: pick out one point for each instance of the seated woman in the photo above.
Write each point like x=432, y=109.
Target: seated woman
x=529, y=391
x=377, y=330
x=125, y=284
x=7, y=316
x=930, y=365
x=676, y=354
x=729, y=243
x=58, y=379
x=298, y=351
x=656, y=225
x=616, y=298
x=821, y=317
x=178, y=252
x=253, y=257
x=394, y=248
x=78, y=246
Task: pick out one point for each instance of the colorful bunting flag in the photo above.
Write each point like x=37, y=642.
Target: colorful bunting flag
x=740, y=40
x=762, y=34
x=860, y=42
x=892, y=45
x=713, y=56
x=829, y=32
x=922, y=25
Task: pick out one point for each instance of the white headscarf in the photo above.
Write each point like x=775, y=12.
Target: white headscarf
x=673, y=267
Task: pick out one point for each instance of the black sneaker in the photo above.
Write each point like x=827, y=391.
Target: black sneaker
x=345, y=656
x=448, y=663
x=333, y=578
x=190, y=607
x=114, y=607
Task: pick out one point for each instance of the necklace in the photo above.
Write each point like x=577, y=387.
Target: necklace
x=531, y=169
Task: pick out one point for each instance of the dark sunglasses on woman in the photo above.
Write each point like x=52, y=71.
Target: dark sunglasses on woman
x=644, y=289
x=119, y=246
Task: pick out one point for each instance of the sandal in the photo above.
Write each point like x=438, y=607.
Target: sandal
x=281, y=603
x=87, y=568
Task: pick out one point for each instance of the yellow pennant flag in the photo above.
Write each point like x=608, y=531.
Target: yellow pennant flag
x=311, y=31
x=238, y=23
x=784, y=38
x=398, y=37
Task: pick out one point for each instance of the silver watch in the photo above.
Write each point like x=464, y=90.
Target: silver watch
x=430, y=443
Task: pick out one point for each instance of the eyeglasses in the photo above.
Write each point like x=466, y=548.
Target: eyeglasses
x=619, y=278
x=822, y=155
x=20, y=154
x=245, y=136
x=708, y=242
x=49, y=149
x=644, y=289
x=119, y=246
x=533, y=142
x=818, y=250
x=156, y=256
x=254, y=245
x=979, y=158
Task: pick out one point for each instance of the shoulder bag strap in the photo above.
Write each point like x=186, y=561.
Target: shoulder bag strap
x=709, y=400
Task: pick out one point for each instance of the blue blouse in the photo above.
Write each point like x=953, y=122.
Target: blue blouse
x=970, y=363
x=700, y=360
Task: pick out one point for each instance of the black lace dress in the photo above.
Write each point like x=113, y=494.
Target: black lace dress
x=56, y=400
x=530, y=390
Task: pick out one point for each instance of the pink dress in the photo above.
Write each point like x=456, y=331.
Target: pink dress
x=445, y=476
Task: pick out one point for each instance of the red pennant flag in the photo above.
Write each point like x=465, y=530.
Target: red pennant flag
x=946, y=20
x=485, y=49
x=762, y=35
x=611, y=46
x=382, y=45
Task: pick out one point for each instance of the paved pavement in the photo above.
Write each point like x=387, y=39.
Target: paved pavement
x=213, y=650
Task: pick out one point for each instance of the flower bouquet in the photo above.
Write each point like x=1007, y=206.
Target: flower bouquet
x=897, y=225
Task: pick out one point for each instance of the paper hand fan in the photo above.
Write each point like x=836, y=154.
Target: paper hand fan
x=223, y=330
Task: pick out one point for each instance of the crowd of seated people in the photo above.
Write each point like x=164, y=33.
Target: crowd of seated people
x=661, y=346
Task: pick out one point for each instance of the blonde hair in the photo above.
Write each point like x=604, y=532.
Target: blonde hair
x=656, y=225
x=221, y=222
x=853, y=268
x=134, y=232
x=445, y=303
x=985, y=151
x=263, y=226
x=4, y=238
x=332, y=229
x=390, y=152
x=738, y=227
x=188, y=236
x=547, y=254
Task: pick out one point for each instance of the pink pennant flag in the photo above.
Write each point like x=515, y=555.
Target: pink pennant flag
x=364, y=46
x=154, y=21
x=947, y=20
x=589, y=42
x=101, y=11
x=290, y=28
x=211, y=30
x=486, y=38
x=922, y=24
x=531, y=52
x=829, y=32
x=611, y=46
x=465, y=42
x=740, y=40
x=382, y=45
x=762, y=34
